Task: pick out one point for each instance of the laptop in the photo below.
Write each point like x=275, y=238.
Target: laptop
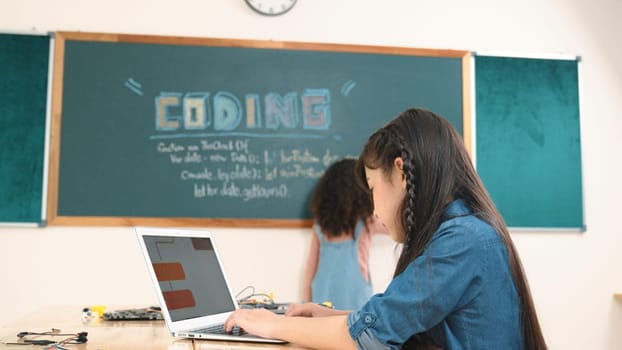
x=191, y=285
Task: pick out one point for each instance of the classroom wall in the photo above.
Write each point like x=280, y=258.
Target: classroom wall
x=573, y=275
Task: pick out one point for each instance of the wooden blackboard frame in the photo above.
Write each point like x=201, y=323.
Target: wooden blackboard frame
x=57, y=111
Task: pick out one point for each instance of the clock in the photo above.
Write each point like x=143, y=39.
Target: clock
x=271, y=7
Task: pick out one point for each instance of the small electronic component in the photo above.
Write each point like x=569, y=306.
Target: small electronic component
x=150, y=313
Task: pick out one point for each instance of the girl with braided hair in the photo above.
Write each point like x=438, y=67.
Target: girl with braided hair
x=459, y=282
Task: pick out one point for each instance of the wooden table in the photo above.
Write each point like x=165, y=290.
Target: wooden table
x=114, y=335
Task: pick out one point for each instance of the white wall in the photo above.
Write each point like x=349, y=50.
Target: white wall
x=573, y=276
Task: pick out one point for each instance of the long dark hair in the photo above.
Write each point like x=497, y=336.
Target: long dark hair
x=338, y=203
x=438, y=169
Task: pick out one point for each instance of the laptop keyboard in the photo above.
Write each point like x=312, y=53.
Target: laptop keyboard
x=220, y=329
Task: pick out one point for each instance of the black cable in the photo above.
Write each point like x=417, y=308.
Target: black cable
x=74, y=338
x=33, y=342
x=23, y=334
x=39, y=341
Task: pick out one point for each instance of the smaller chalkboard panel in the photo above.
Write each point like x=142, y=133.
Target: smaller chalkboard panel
x=23, y=87
x=528, y=139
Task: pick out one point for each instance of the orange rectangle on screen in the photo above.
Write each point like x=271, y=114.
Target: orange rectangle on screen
x=169, y=271
x=179, y=299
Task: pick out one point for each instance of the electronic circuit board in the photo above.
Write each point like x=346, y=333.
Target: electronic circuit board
x=150, y=313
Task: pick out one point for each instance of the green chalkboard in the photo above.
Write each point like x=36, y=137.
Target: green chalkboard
x=23, y=87
x=161, y=128
x=528, y=139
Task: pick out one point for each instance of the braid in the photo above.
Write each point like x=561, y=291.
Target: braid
x=410, y=188
x=413, y=240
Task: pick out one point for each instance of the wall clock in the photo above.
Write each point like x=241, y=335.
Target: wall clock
x=271, y=7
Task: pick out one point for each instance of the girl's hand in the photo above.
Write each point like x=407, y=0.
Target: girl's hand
x=259, y=322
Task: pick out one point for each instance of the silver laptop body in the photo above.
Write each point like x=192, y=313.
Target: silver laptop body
x=191, y=286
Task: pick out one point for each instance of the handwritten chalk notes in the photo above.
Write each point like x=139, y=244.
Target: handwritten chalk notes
x=228, y=168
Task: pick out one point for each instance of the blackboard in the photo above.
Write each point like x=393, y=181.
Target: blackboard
x=528, y=139
x=24, y=69
x=190, y=131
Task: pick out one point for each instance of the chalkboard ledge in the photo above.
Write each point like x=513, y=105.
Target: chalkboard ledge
x=174, y=222
x=548, y=229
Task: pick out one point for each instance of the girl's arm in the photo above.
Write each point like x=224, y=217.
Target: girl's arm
x=312, y=310
x=313, y=332
x=311, y=268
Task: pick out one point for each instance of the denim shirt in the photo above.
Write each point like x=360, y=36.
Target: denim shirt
x=459, y=293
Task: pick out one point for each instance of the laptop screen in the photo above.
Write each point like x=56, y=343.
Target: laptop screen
x=189, y=275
